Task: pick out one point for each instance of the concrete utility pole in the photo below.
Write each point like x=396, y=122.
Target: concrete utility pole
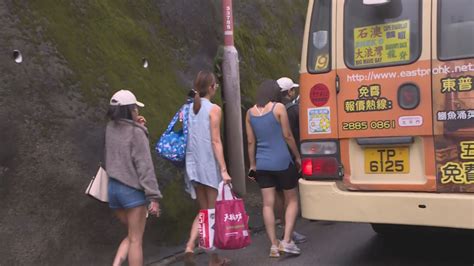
x=232, y=112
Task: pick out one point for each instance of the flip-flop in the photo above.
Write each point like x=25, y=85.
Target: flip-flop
x=189, y=259
x=224, y=262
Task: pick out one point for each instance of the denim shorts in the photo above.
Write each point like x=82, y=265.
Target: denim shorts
x=122, y=196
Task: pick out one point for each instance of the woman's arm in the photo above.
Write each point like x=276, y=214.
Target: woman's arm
x=250, y=141
x=215, y=119
x=285, y=126
x=143, y=162
x=250, y=144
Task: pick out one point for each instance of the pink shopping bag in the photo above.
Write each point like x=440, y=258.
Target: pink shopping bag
x=206, y=222
x=231, y=228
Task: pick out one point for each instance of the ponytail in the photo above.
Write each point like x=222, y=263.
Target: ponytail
x=203, y=81
x=197, y=102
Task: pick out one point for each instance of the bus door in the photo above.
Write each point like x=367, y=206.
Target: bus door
x=453, y=94
x=318, y=106
x=384, y=103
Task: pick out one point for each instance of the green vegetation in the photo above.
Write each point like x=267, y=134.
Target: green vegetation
x=104, y=42
x=271, y=50
x=178, y=212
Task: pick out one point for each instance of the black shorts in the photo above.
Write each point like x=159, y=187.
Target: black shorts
x=285, y=179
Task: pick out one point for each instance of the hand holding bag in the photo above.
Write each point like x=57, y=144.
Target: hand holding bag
x=231, y=229
x=99, y=186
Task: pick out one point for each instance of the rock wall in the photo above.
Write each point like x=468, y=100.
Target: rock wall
x=52, y=107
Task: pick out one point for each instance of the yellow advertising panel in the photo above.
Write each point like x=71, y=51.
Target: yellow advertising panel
x=382, y=44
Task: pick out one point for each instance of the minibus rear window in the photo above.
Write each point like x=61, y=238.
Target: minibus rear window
x=381, y=35
x=456, y=29
x=319, y=40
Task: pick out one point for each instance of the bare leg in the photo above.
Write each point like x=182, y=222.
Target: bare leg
x=122, y=251
x=210, y=203
x=201, y=197
x=211, y=197
x=122, y=216
x=280, y=206
x=206, y=197
x=136, y=226
x=291, y=197
x=193, y=236
x=268, y=195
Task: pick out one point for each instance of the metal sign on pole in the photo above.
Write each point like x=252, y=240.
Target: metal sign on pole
x=232, y=111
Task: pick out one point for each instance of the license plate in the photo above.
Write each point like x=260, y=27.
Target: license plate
x=387, y=160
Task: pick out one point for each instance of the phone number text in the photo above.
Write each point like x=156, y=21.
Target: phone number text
x=364, y=125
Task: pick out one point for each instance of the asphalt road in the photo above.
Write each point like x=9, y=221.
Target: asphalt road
x=357, y=244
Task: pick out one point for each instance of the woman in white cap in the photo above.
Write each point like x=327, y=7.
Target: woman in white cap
x=132, y=183
x=290, y=98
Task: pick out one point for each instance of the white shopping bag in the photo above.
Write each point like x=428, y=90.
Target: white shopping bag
x=206, y=220
x=227, y=191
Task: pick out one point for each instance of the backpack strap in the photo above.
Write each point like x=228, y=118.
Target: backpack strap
x=290, y=104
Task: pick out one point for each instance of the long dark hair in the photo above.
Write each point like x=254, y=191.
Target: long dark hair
x=203, y=81
x=117, y=112
x=269, y=91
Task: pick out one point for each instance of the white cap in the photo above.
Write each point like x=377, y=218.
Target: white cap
x=286, y=84
x=124, y=97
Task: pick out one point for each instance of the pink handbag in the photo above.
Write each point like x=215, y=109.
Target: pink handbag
x=231, y=223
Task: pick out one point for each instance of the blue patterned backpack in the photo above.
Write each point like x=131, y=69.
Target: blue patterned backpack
x=172, y=144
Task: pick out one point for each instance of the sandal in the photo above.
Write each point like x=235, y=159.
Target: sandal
x=222, y=262
x=274, y=252
x=189, y=258
x=225, y=261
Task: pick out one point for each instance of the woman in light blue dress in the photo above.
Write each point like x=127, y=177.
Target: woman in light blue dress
x=205, y=164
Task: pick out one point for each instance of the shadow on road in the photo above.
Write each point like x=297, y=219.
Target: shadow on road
x=418, y=246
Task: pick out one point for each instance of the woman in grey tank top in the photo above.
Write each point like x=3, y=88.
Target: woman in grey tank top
x=269, y=136
x=205, y=164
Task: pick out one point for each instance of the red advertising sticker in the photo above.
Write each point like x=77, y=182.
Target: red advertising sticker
x=319, y=94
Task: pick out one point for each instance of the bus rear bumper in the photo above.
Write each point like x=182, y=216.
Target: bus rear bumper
x=323, y=200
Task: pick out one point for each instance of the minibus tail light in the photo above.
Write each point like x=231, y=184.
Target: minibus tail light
x=321, y=160
x=307, y=167
x=320, y=167
x=319, y=148
x=325, y=166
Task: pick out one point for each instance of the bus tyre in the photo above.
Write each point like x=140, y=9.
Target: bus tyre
x=385, y=229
